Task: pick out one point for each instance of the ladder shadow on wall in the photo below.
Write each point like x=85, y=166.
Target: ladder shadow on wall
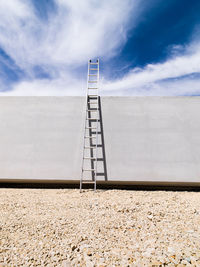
x=101, y=153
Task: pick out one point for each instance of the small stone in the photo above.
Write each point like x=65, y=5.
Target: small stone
x=74, y=247
x=188, y=259
x=190, y=231
x=89, y=253
x=66, y=264
x=156, y=263
x=171, y=250
x=150, y=217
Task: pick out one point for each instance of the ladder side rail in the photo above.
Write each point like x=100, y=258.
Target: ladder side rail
x=97, y=124
x=85, y=127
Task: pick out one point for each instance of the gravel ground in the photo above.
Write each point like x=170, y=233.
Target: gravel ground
x=61, y=227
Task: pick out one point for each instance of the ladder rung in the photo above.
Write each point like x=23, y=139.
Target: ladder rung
x=92, y=119
x=92, y=103
x=91, y=128
x=93, y=69
x=88, y=170
x=92, y=75
x=88, y=182
x=89, y=158
x=90, y=137
x=93, y=81
x=93, y=88
x=92, y=110
x=89, y=147
x=92, y=96
x=94, y=63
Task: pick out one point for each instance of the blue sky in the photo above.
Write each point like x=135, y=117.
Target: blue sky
x=145, y=47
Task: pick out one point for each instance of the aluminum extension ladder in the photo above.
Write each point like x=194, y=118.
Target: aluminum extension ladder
x=90, y=143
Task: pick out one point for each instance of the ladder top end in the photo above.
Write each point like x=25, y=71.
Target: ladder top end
x=90, y=60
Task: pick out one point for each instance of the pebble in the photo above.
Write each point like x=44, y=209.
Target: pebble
x=61, y=227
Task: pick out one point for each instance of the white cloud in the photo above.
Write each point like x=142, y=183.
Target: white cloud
x=57, y=87
x=177, y=87
x=76, y=31
x=79, y=30
x=154, y=78
x=17, y=8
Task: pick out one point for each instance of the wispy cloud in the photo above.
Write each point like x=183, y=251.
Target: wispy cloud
x=48, y=53
x=172, y=77
x=63, y=42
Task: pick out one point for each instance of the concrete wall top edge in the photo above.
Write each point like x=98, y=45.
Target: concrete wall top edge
x=102, y=96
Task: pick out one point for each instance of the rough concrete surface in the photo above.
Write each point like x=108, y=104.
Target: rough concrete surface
x=147, y=139
x=54, y=227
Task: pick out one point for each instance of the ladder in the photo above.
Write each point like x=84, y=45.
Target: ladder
x=90, y=143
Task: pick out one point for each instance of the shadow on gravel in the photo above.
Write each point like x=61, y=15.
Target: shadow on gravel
x=102, y=187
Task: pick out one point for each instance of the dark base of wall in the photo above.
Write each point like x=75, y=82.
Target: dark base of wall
x=193, y=187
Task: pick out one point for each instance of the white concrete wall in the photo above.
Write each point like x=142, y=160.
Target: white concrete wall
x=41, y=137
x=153, y=138
x=147, y=139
